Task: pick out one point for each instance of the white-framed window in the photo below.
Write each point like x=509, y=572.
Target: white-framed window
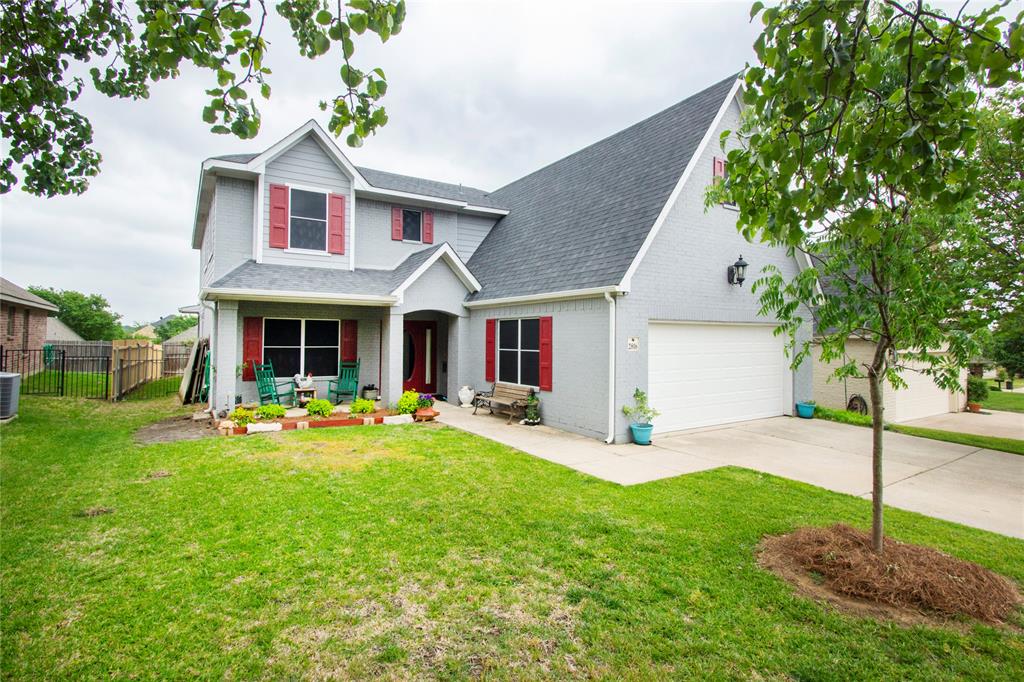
x=519, y=351
x=307, y=219
x=301, y=346
x=412, y=225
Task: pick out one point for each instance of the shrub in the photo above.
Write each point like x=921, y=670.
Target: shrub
x=271, y=411
x=409, y=402
x=977, y=389
x=241, y=416
x=319, y=408
x=641, y=412
x=361, y=406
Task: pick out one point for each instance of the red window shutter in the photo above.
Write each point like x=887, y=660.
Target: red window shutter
x=428, y=227
x=336, y=223
x=545, y=353
x=489, y=352
x=252, y=345
x=396, y=223
x=719, y=167
x=278, y=217
x=349, y=338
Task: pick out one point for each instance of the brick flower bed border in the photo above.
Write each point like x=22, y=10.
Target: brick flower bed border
x=330, y=422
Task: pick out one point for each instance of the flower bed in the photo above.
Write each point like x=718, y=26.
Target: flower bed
x=228, y=427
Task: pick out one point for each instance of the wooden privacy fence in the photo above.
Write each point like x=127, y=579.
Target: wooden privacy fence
x=133, y=363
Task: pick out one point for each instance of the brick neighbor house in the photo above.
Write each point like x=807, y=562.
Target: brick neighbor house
x=22, y=317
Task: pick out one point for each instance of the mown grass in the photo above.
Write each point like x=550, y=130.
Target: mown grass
x=1011, y=445
x=422, y=551
x=1006, y=401
x=79, y=384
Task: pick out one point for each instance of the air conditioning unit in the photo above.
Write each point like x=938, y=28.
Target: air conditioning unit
x=10, y=387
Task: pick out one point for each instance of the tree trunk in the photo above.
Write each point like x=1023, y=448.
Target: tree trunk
x=877, y=427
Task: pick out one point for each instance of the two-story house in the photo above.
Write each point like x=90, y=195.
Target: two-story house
x=595, y=275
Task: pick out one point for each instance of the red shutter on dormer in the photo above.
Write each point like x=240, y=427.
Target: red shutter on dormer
x=252, y=345
x=545, y=354
x=428, y=227
x=396, y=223
x=278, y=217
x=489, y=352
x=719, y=167
x=336, y=223
x=349, y=340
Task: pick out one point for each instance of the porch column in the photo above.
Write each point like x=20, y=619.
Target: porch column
x=455, y=375
x=225, y=355
x=391, y=357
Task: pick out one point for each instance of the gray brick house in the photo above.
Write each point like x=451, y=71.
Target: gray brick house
x=597, y=274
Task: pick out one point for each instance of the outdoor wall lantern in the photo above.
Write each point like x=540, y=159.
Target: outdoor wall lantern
x=737, y=272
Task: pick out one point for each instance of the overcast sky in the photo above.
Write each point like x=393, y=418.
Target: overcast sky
x=478, y=92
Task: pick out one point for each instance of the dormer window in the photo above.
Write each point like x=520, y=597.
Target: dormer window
x=307, y=222
x=412, y=225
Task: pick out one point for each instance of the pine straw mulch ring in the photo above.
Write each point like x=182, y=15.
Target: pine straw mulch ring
x=907, y=583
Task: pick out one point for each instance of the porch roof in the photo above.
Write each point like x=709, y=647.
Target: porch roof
x=360, y=286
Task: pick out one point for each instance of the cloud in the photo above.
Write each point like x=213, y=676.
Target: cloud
x=479, y=93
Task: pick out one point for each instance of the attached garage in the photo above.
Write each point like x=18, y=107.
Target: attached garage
x=709, y=374
x=921, y=398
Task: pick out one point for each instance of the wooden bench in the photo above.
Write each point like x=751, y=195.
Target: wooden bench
x=504, y=398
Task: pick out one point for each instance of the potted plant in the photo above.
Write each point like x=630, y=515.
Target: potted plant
x=977, y=392
x=805, y=410
x=370, y=392
x=425, y=408
x=641, y=415
x=532, y=410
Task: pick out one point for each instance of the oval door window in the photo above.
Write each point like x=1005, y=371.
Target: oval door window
x=409, y=360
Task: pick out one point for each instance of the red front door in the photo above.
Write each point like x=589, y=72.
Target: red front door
x=419, y=362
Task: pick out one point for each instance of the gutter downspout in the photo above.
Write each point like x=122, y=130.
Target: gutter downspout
x=611, y=368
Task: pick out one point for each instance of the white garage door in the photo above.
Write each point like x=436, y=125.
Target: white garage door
x=707, y=374
x=921, y=398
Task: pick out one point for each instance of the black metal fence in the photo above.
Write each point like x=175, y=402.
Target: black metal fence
x=56, y=372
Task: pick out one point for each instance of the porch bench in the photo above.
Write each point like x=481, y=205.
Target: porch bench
x=508, y=398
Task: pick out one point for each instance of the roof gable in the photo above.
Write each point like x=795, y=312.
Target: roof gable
x=580, y=222
x=12, y=293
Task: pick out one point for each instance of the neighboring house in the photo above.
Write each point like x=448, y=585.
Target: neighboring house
x=58, y=331
x=186, y=336
x=595, y=275
x=22, y=317
x=921, y=397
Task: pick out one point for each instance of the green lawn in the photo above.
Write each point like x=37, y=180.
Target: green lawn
x=1004, y=400
x=1011, y=445
x=422, y=551
x=81, y=384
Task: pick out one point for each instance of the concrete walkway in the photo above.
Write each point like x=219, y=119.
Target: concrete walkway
x=976, y=487
x=986, y=423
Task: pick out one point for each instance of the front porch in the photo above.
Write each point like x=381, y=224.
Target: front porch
x=396, y=349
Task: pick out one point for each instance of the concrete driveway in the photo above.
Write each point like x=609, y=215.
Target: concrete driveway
x=976, y=487
x=987, y=423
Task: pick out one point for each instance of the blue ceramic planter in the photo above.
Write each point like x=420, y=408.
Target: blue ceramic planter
x=805, y=410
x=641, y=433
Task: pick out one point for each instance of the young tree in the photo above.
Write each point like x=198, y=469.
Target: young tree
x=1008, y=344
x=174, y=326
x=88, y=314
x=47, y=46
x=861, y=118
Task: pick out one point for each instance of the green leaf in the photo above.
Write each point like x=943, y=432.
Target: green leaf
x=321, y=43
x=323, y=17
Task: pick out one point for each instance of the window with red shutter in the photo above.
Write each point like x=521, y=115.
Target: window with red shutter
x=545, y=354
x=428, y=227
x=336, y=223
x=349, y=341
x=278, y=217
x=396, y=223
x=489, y=352
x=252, y=345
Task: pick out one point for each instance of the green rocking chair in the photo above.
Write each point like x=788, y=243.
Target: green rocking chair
x=270, y=389
x=347, y=383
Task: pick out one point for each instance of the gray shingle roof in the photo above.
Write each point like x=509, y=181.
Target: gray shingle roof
x=9, y=291
x=579, y=222
x=273, y=277
x=405, y=183
x=433, y=188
